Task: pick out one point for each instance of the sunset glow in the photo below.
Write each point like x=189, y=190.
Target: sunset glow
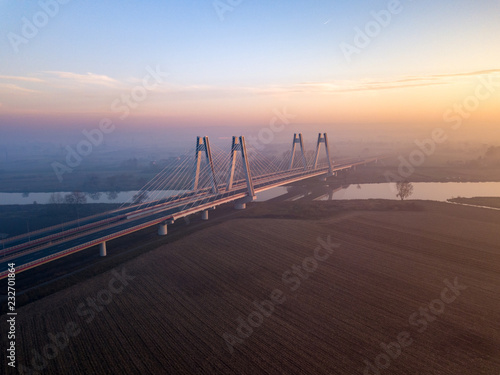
x=236, y=67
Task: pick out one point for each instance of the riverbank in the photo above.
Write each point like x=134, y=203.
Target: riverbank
x=493, y=202
x=113, y=181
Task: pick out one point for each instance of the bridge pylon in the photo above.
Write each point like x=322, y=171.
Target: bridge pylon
x=240, y=145
x=323, y=138
x=203, y=146
x=297, y=138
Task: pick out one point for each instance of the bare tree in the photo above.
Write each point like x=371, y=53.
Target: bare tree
x=404, y=188
x=94, y=195
x=56, y=198
x=76, y=197
x=140, y=197
x=112, y=195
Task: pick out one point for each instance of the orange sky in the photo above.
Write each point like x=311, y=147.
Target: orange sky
x=401, y=101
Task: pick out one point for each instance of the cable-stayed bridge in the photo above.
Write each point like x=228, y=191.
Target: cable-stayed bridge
x=213, y=178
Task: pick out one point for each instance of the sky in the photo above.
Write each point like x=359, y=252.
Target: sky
x=167, y=65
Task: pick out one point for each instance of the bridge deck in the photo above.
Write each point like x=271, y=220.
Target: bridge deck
x=52, y=243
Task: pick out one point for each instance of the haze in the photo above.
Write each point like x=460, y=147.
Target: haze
x=228, y=68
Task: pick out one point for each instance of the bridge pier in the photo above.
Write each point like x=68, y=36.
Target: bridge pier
x=204, y=215
x=241, y=204
x=102, y=249
x=162, y=229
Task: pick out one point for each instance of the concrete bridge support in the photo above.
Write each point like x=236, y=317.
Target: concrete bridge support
x=297, y=138
x=203, y=146
x=162, y=229
x=204, y=215
x=102, y=249
x=323, y=138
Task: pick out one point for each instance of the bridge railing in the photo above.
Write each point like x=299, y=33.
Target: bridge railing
x=195, y=201
x=80, y=247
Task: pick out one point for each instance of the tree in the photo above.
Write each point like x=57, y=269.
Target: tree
x=77, y=197
x=404, y=188
x=112, y=195
x=56, y=198
x=493, y=151
x=94, y=195
x=140, y=197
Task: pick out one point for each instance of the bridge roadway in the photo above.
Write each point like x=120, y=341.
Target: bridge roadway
x=105, y=227
x=49, y=234
x=46, y=235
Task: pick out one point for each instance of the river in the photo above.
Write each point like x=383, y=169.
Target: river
x=438, y=191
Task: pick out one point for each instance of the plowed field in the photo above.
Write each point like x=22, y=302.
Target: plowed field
x=390, y=292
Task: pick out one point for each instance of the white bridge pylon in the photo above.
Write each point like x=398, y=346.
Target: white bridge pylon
x=203, y=145
x=323, y=138
x=297, y=138
x=239, y=145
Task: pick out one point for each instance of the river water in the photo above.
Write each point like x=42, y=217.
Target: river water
x=438, y=191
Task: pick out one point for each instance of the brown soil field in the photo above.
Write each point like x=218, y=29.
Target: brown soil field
x=421, y=277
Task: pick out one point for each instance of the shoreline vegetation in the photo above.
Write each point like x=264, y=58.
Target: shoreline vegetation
x=493, y=202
